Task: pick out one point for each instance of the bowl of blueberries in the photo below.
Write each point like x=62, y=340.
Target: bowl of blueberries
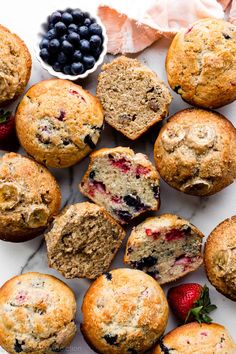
x=71, y=44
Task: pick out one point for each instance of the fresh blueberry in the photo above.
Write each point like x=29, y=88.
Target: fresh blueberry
x=74, y=38
x=86, y=15
x=62, y=58
x=54, y=46
x=63, y=38
x=87, y=22
x=57, y=66
x=96, y=52
x=72, y=27
x=44, y=54
x=77, y=56
x=67, y=47
x=69, y=9
x=78, y=16
x=95, y=41
x=60, y=28
x=89, y=61
x=44, y=43
x=83, y=31
x=84, y=46
x=50, y=26
x=67, y=18
x=77, y=68
x=94, y=28
x=55, y=17
x=51, y=34
x=67, y=70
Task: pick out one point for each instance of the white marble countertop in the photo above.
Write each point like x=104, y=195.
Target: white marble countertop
x=22, y=17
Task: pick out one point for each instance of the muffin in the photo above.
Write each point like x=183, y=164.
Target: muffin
x=195, y=152
x=83, y=241
x=15, y=66
x=133, y=96
x=29, y=198
x=125, y=183
x=201, y=63
x=166, y=247
x=58, y=122
x=197, y=338
x=124, y=311
x=37, y=314
x=220, y=258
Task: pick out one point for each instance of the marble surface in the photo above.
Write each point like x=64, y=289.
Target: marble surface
x=23, y=18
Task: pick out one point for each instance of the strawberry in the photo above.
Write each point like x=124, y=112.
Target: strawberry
x=7, y=124
x=190, y=302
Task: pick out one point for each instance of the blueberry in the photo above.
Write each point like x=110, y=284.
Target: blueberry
x=83, y=31
x=78, y=16
x=67, y=70
x=44, y=54
x=54, y=45
x=72, y=28
x=44, y=43
x=77, y=56
x=145, y=262
x=124, y=215
x=95, y=41
x=60, y=28
x=57, y=66
x=94, y=28
x=96, y=52
x=132, y=351
x=110, y=339
x=156, y=190
x=77, y=68
x=87, y=22
x=18, y=346
x=92, y=174
x=84, y=46
x=67, y=18
x=134, y=201
x=177, y=88
x=108, y=276
x=163, y=347
x=55, y=17
x=74, y=38
x=89, y=142
x=62, y=58
x=51, y=34
x=50, y=26
x=89, y=61
x=67, y=47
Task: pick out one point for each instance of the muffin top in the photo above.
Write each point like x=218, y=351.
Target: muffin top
x=29, y=197
x=220, y=258
x=125, y=311
x=197, y=338
x=195, y=152
x=37, y=314
x=15, y=66
x=201, y=63
x=58, y=122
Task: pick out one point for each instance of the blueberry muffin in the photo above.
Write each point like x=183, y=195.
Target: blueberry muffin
x=197, y=338
x=83, y=241
x=37, y=314
x=125, y=183
x=220, y=258
x=133, y=96
x=29, y=198
x=15, y=66
x=124, y=312
x=166, y=247
x=58, y=122
x=195, y=152
x=201, y=63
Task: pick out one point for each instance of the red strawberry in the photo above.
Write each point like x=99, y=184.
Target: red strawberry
x=7, y=124
x=190, y=302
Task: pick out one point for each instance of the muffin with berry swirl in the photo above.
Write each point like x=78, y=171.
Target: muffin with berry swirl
x=58, y=122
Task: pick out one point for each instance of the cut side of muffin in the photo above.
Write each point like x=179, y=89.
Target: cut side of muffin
x=132, y=96
x=166, y=247
x=125, y=183
x=83, y=241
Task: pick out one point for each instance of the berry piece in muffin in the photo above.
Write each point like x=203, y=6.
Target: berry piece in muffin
x=166, y=247
x=125, y=183
x=197, y=338
x=201, y=63
x=124, y=313
x=83, y=241
x=58, y=123
x=195, y=152
x=29, y=198
x=132, y=96
x=37, y=314
x=220, y=258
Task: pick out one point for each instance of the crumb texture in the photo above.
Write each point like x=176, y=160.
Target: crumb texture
x=125, y=311
x=132, y=95
x=83, y=241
